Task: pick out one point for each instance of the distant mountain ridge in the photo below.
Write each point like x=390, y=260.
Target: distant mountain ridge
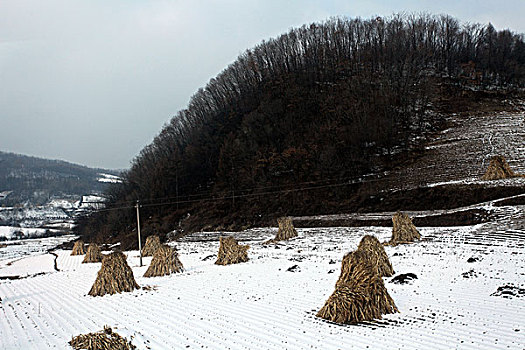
x=33, y=180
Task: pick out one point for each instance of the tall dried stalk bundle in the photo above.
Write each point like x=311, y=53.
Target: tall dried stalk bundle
x=165, y=261
x=403, y=231
x=360, y=294
x=499, y=169
x=286, y=230
x=151, y=246
x=114, y=276
x=103, y=340
x=376, y=255
x=78, y=248
x=93, y=254
x=230, y=252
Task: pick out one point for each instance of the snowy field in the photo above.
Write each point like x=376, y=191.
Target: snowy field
x=17, y=249
x=262, y=305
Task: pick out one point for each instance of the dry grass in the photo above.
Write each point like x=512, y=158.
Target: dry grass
x=376, y=255
x=360, y=294
x=151, y=246
x=78, y=248
x=103, y=340
x=499, y=169
x=165, y=261
x=403, y=231
x=230, y=252
x=286, y=230
x=93, y=254
x=114, y=276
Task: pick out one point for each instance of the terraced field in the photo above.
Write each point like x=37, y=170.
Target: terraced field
x=270, y=302
x=461, y=153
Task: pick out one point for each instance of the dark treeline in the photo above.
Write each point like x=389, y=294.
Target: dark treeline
x=36, y=180
x=320, y=104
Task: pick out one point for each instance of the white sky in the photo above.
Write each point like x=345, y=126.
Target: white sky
x=92, y=82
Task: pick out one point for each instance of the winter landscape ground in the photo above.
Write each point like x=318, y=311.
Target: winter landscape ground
x=469, y=293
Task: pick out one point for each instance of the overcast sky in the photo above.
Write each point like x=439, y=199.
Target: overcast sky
x=92, y=82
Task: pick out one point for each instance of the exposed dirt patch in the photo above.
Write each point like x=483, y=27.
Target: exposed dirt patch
x=460, y=218
x=519, y=200
x=509, y=291
x=438, y=197
x=404, y=278
x=294, y=268
x=469, y=274
x=17, y=277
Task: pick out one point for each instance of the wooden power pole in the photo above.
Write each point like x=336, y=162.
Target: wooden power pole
x=138, y=231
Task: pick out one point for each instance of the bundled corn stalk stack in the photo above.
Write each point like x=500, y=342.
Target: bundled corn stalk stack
x=360, y=294
x=78, y=248
x=286, y=230
x=165, y=261
x=114, y=276
x=103, y=340
x=403, y=231
x=151, y=246
x=231, y=252
x=376, y=255
x=93, y=254
x=499, y=169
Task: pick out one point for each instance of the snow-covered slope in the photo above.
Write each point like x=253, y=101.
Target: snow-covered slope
x=108, y=178
x=33, y=216
x=461, y=153
x=261, y=305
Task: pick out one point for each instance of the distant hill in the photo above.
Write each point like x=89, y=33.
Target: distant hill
x=25, y=179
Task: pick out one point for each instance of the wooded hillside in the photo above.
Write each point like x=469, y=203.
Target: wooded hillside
x=293, y=124
x=36, y=180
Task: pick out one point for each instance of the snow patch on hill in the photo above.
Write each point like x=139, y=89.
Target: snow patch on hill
x=108, y=178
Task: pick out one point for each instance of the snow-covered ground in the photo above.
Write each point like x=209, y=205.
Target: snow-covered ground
x=14, y=250
x=262, y=305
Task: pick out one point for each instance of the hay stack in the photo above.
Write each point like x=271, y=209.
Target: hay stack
x=360, y=294
x=115, y=276
x=375, y=252
x=105, y=339
x=165, y=261
x=286, y=230
x=230, y=252
x=404, y=230
x=499, y=169
x=78, y=248
x=93, y=255
x=151, y=246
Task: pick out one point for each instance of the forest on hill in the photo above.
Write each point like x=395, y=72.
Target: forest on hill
x=36, y=180
x=294, y=123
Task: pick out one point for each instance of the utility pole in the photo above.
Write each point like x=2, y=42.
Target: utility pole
x=138, y=230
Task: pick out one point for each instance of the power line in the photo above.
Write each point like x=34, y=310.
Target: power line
x=161, y=201
x=222, y=198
